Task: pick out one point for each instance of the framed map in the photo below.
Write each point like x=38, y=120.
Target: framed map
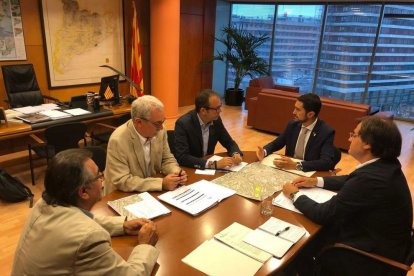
x=11, y=31
x=81, y=35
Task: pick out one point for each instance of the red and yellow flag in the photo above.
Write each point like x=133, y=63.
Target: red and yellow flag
x=108, y=93
x=136, y=64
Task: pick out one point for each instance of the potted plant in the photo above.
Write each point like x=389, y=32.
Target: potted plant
x=241, y=54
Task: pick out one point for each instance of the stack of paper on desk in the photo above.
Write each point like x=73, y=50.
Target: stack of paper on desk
x=55, y=114
x=141, y=205
x=33, y=118
x=77, y=111
x=275, y=236
x=268, y=161
x=317, y=194
x=196, y=197
x=227, y=254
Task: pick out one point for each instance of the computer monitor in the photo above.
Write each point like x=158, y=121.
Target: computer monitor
x=112, y=82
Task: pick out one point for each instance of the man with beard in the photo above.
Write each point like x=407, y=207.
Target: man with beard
x=306, y=138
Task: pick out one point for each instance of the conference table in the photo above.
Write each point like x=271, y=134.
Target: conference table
x=180, y=233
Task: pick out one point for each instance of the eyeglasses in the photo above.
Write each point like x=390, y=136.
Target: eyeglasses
x=352, y=134
x=216, y=109
x=158, y=125
x=100, y=177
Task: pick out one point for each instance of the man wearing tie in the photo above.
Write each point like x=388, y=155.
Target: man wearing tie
x=306, y=138
x=138, y=151
x=198, y=131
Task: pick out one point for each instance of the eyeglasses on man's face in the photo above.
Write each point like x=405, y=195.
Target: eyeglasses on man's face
x=216, y=109
x=352, y=134
x=158, y=125
x=100, y=177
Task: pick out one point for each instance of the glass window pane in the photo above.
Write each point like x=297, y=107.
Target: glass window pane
x=297, y=35
x=392, y=82
x=256, y=19
x=348, y=41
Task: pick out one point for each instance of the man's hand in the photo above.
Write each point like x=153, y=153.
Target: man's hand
x=132, y=227
x=289, y=188
x=260, y=153
x=237, y=159
x=172, y=180
x=148, y=234
x=284, y=163
x=224, y=162
x=183, y=177
x=307, y=182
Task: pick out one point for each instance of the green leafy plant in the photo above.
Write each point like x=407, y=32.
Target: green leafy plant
x=241, y=53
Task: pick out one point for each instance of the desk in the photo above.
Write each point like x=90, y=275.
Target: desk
x=180, y=233
x=13, y=130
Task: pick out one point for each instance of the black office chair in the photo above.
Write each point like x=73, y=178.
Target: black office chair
x=58, y=138
x=104, y=137
x=98, y=156
x=21, y=86
x=171, y=141
x=377, y=264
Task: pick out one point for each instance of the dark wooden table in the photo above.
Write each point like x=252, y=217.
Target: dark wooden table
x=180, y=233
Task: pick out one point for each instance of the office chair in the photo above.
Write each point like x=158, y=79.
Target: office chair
x=58, y=138
x=104, y=137
x=380, y=265
x=98, y=156
x=21, y=86
x=171, y=141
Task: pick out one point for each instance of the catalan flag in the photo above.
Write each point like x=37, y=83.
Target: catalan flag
x=136, y=64
x=108, y=93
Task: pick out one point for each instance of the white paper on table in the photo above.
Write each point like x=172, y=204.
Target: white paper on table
x=207, y=187
x=77, y=111
x=268, y=161
x=36, y=109
x=317, y=194
x=233, y=236
x=268, y=242
x=148, y=208
x=274, y=225
x=205, y=172
x=215, y=258
x=235, y=168
x=55, y=114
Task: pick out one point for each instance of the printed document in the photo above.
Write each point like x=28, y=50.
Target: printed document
x=141, y=205
x=268, y=161
x=196, y=197
x=317, y=194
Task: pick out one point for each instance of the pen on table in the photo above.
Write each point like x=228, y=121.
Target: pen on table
x=282, y=231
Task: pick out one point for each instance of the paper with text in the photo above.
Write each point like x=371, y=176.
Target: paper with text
x=317, y=194
x=268, y=242
x=233, y=237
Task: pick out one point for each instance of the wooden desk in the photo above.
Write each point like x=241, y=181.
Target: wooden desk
x=13, y=130
x=180, y=233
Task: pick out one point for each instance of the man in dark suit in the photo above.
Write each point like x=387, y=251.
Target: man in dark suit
x=198, y=131
x=306, y=138
x=372, y=210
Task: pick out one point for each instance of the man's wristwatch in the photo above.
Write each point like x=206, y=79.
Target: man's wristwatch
x=292, y=195
x=299, y=166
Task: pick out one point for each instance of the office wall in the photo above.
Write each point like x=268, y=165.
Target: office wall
x=197, y=21
x=196, y=43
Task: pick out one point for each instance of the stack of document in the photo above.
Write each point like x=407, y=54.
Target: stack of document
x=36, y=109
x=275, y=236
x=317, y=194
x=77, y=111
x=197, y=197
x=55, y=114
x=33, y=118
x=141, y=205
x=227, y=254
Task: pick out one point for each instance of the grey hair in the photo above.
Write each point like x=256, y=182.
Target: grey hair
x=142, y=107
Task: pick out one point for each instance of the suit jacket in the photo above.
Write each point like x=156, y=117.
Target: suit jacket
x=189, y=140
x=372, y=210
x=125, y=161
x=58, y=240
x=319, y=151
